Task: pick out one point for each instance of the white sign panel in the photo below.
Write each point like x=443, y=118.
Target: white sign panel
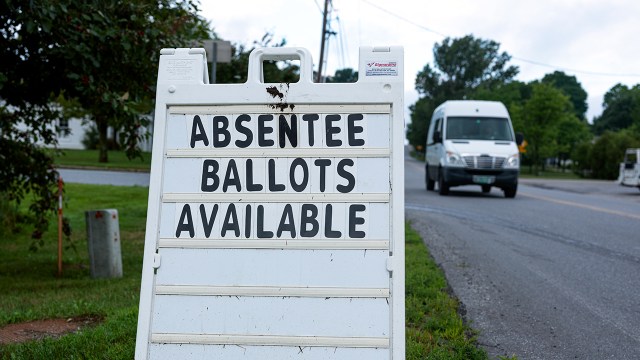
x=275, y=226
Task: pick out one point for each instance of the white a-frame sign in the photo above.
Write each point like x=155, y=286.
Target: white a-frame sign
x=275, y=226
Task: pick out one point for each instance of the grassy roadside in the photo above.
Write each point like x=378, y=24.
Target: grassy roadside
x=89, y=159
x=31, y=291
x=434, y=328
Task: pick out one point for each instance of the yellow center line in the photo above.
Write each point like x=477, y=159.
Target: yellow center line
x=584, y=206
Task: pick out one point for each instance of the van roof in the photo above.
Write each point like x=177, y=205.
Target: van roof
x=473, y=108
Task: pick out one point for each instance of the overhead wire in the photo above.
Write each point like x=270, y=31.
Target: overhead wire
x=533, y=62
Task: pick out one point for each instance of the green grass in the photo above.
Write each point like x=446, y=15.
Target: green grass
x=435, y=330
x=30, y=289
x=89, y=159
x=549, y=173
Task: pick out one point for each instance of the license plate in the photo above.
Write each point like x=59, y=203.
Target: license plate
x=483, y=179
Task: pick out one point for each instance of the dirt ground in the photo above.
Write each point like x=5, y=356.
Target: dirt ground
x=50, y=328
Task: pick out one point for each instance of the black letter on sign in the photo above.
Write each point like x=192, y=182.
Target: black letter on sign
x=291, y=132
x=272, y=177
x=262, y=234
x=231, y=179
x=186, y=222
x=353, y=129
x=328, y=217
x=198, y=133
x=229, y=223
x=322, y=164
x=251, y=186
x=309, y=219
x=263, y=130
x=310, y=118
x=305, y=174
x=351, y=180
x=208, y=224
x=244, y=130
x=221, y=129
x=332, y=130
x=355, y=220
x=287, y=224
x=247, y=221
x=210, y=174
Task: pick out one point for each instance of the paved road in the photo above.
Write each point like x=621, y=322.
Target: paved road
x=551, y=274
x=102, y=177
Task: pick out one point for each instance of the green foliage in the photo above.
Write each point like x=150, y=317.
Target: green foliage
x=117, y=160
x=462, y=66
x=96, y=57
x=236, y=71
x=114, y=339
x=9, y=216
x=570, y=86
x=601, y=159
x=346, y=75
x=569, y=133
x=419, y=126
x=621, y=109
x=24, y=273
x=434, y=328
x=539, y=118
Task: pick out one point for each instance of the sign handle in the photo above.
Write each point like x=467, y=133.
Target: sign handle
x=258, y=56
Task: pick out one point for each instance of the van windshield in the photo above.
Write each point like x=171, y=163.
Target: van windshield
x=478, y=128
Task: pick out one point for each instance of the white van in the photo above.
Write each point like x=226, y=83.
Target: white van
x=472, y=142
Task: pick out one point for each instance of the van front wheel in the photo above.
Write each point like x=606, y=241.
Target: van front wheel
x=510, y=192
x=431, y=184
x=443, y=187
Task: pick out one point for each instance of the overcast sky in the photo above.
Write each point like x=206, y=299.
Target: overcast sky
x=597, y=41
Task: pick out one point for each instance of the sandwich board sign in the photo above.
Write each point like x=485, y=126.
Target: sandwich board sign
x=275, y=226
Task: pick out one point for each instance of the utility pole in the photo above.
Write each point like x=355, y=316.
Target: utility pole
x=324, y=37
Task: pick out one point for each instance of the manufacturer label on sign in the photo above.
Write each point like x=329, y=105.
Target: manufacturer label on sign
x=275, y=223
x=382, y=68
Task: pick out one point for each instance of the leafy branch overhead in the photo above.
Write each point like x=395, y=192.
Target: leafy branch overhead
x=101, y=56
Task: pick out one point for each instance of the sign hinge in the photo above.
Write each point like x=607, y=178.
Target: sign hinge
x=390, y=264
x=156, y=260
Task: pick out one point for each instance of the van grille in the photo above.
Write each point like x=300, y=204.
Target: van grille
x=484, y=162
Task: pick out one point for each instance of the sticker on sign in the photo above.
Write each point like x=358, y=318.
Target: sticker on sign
x=276, y=229
x=382, y=68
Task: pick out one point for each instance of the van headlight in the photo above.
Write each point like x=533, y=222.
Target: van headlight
x=454, y=159
x=513, y=162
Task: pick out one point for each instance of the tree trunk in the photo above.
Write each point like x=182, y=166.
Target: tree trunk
x=103, y=126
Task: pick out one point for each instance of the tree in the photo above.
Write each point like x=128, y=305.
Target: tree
x=511, y=94
x=621, y=109
x=462, y=66
x=539, y=118
x=419, y=126
x=570, y=133
x=101, y=55
x=113, y=47
x=346, y=75
x=570, y=86
x=237, y=70
x=602, y=159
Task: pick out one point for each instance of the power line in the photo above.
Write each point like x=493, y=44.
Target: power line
x=318, y=5
x=404, y=19
x=533, y=62
x=574, y=70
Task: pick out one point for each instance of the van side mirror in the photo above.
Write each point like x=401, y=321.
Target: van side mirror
x=437, y=136
x=519, y=138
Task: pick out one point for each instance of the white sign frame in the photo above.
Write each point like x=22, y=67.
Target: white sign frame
x=190, y=268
